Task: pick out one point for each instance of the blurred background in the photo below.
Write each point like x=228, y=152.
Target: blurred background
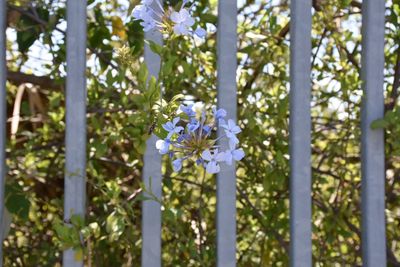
x=117, y=131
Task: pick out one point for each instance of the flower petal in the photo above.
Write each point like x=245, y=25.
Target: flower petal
x=231, y=124
x=228, y=157
x=212, y=167
x=232, y=146
x=206, y=155
x=175, y=120
x=233, y=141
x=184, y=14
x=193, y=125
x=200, y=32
x=159, y=144
x=236, y=130
x=232, y=136
x=147, y=2
x=188, y=110
x=163, y=146
x=221, y=156
x=175, y=17
x=178, y=129
x=189, y=21
x=238, y=154
x=177, y=165
x=168, y=126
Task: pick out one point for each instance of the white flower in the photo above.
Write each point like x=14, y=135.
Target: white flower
x=198, y=107
x=183, y=21
x=163, y=146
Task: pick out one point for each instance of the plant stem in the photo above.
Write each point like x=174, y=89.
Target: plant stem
x=201, y=205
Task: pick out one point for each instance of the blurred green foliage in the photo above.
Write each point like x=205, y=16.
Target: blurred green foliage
x=121, y=114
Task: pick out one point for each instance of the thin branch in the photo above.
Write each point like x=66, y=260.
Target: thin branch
x=18, y=78
x=246, y=202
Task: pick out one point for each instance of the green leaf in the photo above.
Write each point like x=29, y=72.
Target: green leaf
x=31, y=29
x=142, y=75
x=77, y=220
x=115, y=226
x=152, y=92
x=140, y=147
x=168, y=65
x=156, y=48
x=379, y=124
x=135, y=37
x=16, y=201
x=62, y=231
x=177, y=97
x=25, y=39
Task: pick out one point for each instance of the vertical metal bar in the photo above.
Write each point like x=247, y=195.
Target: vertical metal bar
x=3, y=117
x=300, y=133
x=151, y=210
x=226, y=179
x=373, y=147
x=75, y=139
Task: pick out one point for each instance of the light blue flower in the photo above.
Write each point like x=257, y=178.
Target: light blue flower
x=147, y=2
x=231, y=130
x=193, y=125
x=188, y=110
x=183, y=21
x=219, y=114
x=177, y=165
x=163, y=146
x=233, y=154
x=194, y=135
x=139, y=12
x=213, y=158
x=213, y=167
x=145, y=13
x=200, y=32
x=206, y=129
x=148, y=23
x=171, y=127
x=183, y=137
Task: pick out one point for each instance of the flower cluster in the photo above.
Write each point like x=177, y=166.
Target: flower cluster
x=189, y=137
x=153, y=17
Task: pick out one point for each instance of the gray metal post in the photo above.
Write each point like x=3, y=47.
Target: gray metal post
x=151, y=210
x=300, y=133
x=373, y=147
x=3, y=118
x=226, y=179
x=75, y=139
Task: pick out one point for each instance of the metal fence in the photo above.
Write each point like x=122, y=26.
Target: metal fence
x=373, y=169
